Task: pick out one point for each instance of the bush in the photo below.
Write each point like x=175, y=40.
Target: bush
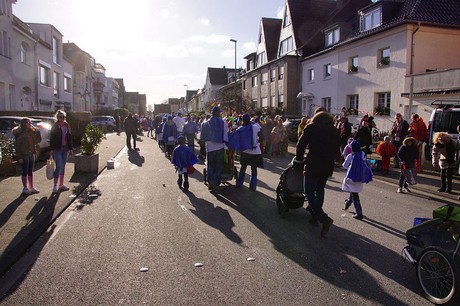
x=7, y=149
x=91, y=139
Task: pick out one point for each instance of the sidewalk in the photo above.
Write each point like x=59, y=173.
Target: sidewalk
x=24, y=218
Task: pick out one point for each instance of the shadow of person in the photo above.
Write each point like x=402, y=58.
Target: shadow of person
x=214, y=216
x=11, y=208
x=343, y=258
x=135, y=158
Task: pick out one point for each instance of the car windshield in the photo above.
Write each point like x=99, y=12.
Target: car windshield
x=446, y=121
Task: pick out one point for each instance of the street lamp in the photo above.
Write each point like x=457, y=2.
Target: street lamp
x=236, y=106
x=185, y=99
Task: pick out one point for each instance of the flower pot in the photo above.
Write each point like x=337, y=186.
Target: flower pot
x=87, y=163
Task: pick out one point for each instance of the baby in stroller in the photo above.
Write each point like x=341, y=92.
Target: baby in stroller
x=289, y=192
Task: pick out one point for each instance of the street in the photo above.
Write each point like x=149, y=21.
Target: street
x=139, y=243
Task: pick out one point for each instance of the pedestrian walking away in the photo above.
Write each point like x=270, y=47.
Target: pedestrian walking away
x=247, y=141
x=183, y=160
x=358, y=173
x=61, y=147
x=322, y=139
x=27, y=136
x=214, y=133
x=131, y=131
x=398, y=134
x=170, y=135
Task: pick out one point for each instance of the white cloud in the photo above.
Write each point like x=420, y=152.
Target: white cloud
x=165, y=13
x=205, y=21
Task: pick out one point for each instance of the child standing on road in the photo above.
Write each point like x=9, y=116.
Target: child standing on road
x=358, y=172
x=386, y=150
x=407, y=155
x=183, y=160
x=27, y=136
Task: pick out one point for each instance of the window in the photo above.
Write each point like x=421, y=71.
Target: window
x=272, y=75
x=264, y=78
x=286, y=46
x=5, y=43
x=264, y=102
x=244, y=84
x=44, y=75
x=24, y=51
x=326, y=103
x=327, y=70
x=261, y=37
x=383, y=103
x=261, y=59
x=254, y=81
x=371, y=19
x=67, y=84
x=56, y=84
x=384, y=57
x=332, y=37
x=286, y=19
x=311, y=75
x=353, y=103
x=272, y=101
x=281, y=72
x=280, y=100
x=353, y=64
x=55, y=50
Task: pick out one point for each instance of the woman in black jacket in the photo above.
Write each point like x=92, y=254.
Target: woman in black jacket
x=408, y=155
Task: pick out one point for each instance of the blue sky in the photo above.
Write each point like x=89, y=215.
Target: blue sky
x=157, y=47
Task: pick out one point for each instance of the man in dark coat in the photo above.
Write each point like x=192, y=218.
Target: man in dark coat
x=398, y=133
x=322, y=139
x=130, y=125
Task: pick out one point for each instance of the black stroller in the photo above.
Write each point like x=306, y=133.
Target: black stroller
x=289, y=193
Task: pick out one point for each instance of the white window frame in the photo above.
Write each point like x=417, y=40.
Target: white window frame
x=44, y=72
x=353, y=64
x=261, y=58
x=332, y=37
x=353, y=102
x=280, y=101
x=67, y=83
x=327, y=71
x=254, y=81
x=371, y=19
x=286, y=18
x=56, y=79
x=327, y=103
x=55, y=50
x=311, y=75
x=280, y=72
x=272, y=75
x=384, y=57
x=286, y=46
x=264, y=78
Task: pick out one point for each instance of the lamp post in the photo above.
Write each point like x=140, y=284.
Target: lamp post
x=234, y=86
x=185, y=99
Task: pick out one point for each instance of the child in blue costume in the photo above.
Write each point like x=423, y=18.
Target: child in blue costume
x=358, y=173
x=182, y=159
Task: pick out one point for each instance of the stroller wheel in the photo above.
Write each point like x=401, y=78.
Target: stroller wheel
x=438, y=276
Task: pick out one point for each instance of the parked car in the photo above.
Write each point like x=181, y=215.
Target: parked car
x=107, y=122
x=8, y=123
x=292, y=125
x=444, y=118
x=47, y=119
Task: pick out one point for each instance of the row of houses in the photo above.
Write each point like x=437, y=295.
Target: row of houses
x=40, y=72
x=352, y=57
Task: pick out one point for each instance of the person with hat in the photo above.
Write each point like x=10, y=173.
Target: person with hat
x=190, y=130
x=247, y=141
x=214, y=132
x=358, y=173
x=398, y=133
x=183, y=159
x=170, y=135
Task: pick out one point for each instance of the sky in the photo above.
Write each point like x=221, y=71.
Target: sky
x=157, y=47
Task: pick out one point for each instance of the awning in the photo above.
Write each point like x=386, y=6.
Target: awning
x=307, y=95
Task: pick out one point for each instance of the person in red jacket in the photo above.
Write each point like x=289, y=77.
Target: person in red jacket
x=386, y=150
x=419, y=131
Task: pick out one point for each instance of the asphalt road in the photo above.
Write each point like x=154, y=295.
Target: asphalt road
x=94, y=253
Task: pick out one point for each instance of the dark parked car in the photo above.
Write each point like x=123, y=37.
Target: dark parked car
x=292, y=125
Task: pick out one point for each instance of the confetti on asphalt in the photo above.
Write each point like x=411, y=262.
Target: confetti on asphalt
x=251, y=259
x=198, y=265
x=144, y=269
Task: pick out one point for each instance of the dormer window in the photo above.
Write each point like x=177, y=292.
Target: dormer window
x=261, y=59
x=371, y=19
x=286, y=19
x=286, y=46
x=332, y=37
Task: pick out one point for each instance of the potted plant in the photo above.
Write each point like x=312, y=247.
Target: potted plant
x=7, y=156
x=88, y=160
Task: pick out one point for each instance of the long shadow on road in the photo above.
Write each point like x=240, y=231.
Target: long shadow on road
x=343, y=259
